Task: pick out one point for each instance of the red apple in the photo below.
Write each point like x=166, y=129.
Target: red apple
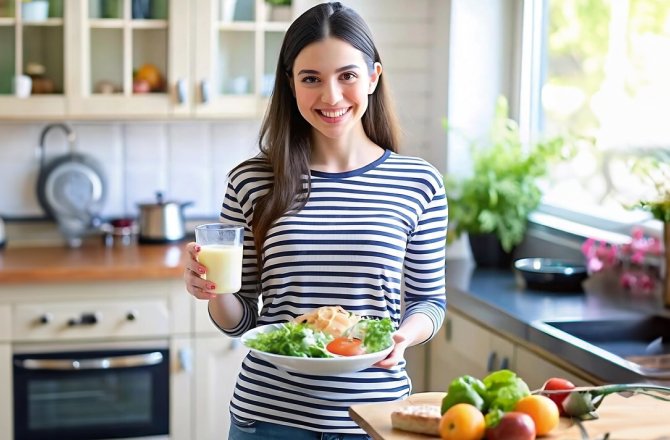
x=513, y=426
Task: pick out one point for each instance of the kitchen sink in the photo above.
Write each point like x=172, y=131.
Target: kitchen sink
x=640, y=343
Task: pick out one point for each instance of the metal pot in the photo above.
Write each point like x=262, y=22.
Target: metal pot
x=162, y=221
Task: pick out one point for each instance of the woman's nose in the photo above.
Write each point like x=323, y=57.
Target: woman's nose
x=332, y=94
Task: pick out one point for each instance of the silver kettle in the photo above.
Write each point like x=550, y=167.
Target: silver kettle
x=3, y=237
x=162, y=221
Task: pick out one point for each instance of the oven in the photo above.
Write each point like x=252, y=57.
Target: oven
x=91, y=394
x=89, y=370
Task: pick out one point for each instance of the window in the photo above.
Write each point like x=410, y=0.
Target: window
x=598, y=71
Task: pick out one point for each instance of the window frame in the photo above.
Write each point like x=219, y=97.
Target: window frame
x=531, y=72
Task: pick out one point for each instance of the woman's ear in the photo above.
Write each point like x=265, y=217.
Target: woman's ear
x=374, y=77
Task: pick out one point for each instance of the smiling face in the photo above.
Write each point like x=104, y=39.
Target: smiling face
x=331, y=83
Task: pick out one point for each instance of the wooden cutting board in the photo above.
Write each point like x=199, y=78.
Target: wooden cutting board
x=633, y=418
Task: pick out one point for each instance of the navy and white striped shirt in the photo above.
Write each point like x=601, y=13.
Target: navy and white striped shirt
x=363, y=237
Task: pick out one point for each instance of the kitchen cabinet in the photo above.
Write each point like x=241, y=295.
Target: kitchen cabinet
x=208, y=66
x=217, y=361
x=32, y=44
x=6, y=414
x=464, y=346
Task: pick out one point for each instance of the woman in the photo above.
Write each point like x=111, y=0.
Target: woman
x=341, y=219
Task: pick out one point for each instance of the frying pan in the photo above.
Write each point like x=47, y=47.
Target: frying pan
x=71, y=188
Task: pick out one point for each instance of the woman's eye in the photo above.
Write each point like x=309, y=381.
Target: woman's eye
x=310, y=79
x=348, y=76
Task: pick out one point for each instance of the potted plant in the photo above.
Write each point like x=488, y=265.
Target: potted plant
x=278, y=10
x=492, y=205
x=656, y=167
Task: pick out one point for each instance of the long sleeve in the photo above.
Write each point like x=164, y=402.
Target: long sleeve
x=423, y=274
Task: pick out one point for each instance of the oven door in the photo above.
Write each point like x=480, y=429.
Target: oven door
x=91, y=394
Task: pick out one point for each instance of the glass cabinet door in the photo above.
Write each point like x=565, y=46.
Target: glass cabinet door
x=236, y=54
x=32, y=51
x=128, y=58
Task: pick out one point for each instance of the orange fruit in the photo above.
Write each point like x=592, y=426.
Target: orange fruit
x=462, y=422
x=542, y=410
x=150, y=74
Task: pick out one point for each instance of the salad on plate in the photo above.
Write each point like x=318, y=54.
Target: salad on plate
x=326, y=332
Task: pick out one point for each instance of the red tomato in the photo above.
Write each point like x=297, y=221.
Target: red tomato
x=345, y=346
x=557, y=383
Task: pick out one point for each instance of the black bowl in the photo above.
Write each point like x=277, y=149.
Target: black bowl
x=551, y=275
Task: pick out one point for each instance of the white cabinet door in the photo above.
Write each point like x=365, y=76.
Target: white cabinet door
x=235, y=60
x=181, y=389
x=110, y=46
x=460, y=348
x=6, y=415
x=217, y=363
x=35, y=46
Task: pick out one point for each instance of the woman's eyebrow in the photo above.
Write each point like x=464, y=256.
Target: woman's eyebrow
x=338, y=70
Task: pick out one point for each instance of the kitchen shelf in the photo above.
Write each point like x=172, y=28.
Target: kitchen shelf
x=210, y=67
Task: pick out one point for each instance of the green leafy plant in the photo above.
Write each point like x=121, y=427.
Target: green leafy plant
x=655, y=167
x=279, y=2
x=503, y=188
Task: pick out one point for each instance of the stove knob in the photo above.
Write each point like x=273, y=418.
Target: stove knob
x=46, y=318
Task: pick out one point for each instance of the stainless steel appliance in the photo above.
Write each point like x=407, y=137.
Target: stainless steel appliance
x=162, y=221
x=70, y=188
x=101, y=394
x=3, y=239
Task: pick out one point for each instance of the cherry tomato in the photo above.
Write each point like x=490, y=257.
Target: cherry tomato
x=557, y=383
x=345, y=346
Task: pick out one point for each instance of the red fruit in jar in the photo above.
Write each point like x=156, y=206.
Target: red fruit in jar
x=558, y=384
x=513, y=426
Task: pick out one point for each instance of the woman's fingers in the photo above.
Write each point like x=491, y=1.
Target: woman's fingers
x=193, y=271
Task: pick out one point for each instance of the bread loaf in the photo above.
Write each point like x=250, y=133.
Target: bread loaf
x=422, y=419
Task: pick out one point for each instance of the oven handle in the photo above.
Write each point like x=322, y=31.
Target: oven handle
x=138, y=360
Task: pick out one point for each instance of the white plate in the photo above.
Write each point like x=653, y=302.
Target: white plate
x=315, y=366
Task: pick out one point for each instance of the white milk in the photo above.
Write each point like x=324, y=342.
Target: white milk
x=224, y=266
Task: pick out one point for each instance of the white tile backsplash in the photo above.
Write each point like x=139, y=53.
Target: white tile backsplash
x=188, y=161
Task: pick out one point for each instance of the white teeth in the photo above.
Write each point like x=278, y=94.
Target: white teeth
x=336, y=114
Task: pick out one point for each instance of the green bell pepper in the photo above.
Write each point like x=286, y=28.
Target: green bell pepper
x=465, y=389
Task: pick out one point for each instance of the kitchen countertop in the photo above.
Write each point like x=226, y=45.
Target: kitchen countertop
x=495, y=299
x=491, y=297
x=91, y=263
x=638, y=417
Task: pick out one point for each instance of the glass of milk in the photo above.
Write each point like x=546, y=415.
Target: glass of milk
x=221, y=252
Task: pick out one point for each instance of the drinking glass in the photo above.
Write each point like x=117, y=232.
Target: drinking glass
x=221, y=253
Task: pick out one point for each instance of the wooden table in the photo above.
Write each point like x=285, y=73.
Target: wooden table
x=633, y=418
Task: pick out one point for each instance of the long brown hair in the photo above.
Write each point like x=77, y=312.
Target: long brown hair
x=285, y=135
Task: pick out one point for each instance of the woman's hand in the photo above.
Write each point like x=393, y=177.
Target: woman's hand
x=397, y=354
x=195, y=285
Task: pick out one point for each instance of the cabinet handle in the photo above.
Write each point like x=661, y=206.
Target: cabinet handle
x=185, y=359
x=181, y=90
x=204, y=91
x=491, y=361
x=85, y=319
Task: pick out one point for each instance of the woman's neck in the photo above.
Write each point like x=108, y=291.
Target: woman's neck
x=343, y=154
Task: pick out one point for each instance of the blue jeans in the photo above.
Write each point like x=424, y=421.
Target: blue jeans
x=243, y=430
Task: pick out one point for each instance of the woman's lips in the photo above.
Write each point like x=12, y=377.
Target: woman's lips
x=333, y=116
